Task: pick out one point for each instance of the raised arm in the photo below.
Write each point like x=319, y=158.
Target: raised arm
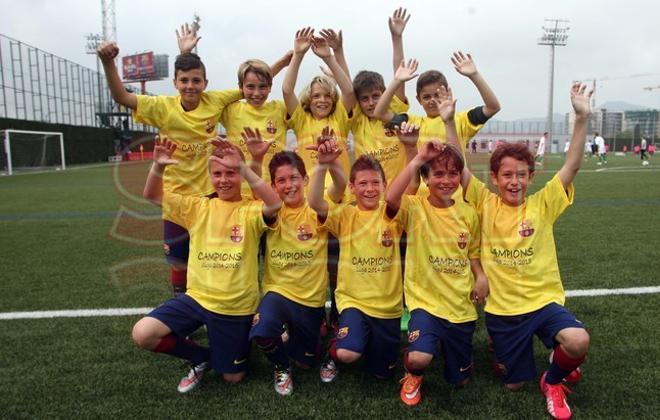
x=397, y=23
x=153, y=187
x=405, y=72
x=281, y=63
x=328, y=151
x=336, y=42
x=257, y=148
x=107, y=52
x=322, y=49
x=464, y=64
x=301, y=44
x=447, y=109
x=580, y=100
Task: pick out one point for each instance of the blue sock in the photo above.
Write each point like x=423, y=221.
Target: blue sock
x=274, y=350
x=555, y=374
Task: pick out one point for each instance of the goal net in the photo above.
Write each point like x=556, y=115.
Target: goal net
x=31, y=150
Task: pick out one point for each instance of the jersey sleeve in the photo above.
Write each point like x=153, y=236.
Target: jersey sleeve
x=151, y=110
x=255, y=217
x=403, y=215
x=397, y=106
x=474, y=226
x=297, y=119
x=222, y=98
x=555, y=198
x=181, y=209
x=333, y=220
x=476, y=193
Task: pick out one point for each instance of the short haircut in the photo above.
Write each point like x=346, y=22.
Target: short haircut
x=366, y=163
x=286, y=158
x=188, y=61
x=450, y=156
x=518, y=151
x=429, y=77
x=258, y=67
x=366, y=81
x=329, y=84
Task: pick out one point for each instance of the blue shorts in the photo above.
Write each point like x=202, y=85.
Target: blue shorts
x=512, y=338
x=176, y=241
x=375, y=338
x=426, y=331
x=228, y=335
x=303, y=322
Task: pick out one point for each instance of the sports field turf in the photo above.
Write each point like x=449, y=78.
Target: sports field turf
x=66, y=245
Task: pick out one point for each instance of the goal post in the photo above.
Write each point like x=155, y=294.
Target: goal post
x=26, y=150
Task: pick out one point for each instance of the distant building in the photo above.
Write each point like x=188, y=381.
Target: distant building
x=643, y=123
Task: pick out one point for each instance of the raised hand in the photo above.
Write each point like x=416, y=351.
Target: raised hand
x=463, y=64
x=187, y=39
x=321, y=47
x=446, y=104
x=581, y=99
x=430, y=150
x=255, y=143
x=220, y=144
x=303, y=40
x=226, y=153
x=406, y=71
x=334, y=39
x=398, y=21
x=408, y=134
x=326, y=147
x=107, y=51
x=163, y=151
x=480, y=291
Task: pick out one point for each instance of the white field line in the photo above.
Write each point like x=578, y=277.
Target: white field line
x=82, y=313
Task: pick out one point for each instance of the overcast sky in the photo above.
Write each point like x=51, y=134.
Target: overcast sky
x=607, y=39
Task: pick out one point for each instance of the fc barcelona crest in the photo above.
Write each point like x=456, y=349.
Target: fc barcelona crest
x=270, y=127
x=343, y=332
x=526, y=229
x=255, y=319
x=462, y=240
x=413, y=336
x=387, y=240
x=304, y=232
x=236, y=234
x=209, y=126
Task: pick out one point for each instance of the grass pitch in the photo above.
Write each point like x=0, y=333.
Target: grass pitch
x=83, y=238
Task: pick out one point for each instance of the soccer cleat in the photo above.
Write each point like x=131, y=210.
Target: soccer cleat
x=194, y=377
x=328, y=371
x=555, y=397
x=411, y=389
x=283, y=381
x=573, y=377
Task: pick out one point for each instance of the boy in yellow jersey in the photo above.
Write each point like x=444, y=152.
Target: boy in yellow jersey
x=190, y=118
x=255, y=80
x=443, y=248
x=295, y=276
x=468, y=122
x=223, y=290
x=369, y=286
x=519, y=256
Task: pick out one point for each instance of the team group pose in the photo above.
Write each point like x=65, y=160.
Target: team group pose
x=396, y=222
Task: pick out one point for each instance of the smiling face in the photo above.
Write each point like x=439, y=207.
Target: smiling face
x=290, y=184
x=226, y=181
x=512, y=180
x=321, y=101
x=368, y=187
x=190, y=84
x=443, y=180
x=255, y=89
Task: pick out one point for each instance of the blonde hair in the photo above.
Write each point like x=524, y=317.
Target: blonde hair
x=258, y=67
x=327, y=83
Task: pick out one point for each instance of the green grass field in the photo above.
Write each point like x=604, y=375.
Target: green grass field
x=66, y=246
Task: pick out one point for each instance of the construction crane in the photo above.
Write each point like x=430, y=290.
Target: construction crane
x=650, y=88
x=608, y=78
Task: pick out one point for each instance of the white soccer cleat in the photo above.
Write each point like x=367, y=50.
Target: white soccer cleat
x=194, y=377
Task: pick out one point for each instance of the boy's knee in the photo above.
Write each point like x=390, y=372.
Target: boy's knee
x=575, y=341
x=515, y=386
x=347, y=356
x=148, y=332
x=418, y=360
x=233, y=378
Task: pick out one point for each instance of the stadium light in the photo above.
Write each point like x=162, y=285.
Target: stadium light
x=93, y=41
x=554, y=35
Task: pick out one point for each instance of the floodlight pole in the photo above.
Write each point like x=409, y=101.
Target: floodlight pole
x=554, y=35
x=195, y=27
x=93, y=41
